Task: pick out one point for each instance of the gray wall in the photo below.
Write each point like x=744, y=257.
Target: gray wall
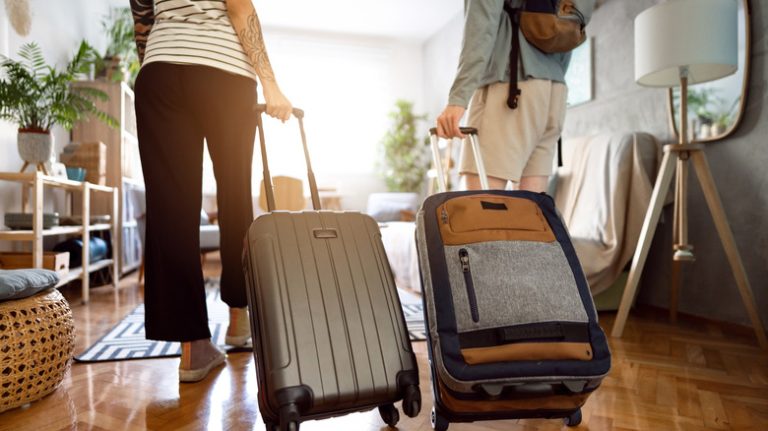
x=738, y=166
x=441, y=58
x=619, y=105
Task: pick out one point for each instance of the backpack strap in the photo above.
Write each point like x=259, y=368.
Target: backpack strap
x=514, y=55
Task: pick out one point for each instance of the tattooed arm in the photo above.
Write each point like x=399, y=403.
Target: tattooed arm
x=246, y=23
x=143, y=19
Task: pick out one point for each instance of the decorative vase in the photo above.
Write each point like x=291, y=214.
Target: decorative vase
x=35, y=147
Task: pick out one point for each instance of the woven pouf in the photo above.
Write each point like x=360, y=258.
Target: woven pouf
x=37, y=341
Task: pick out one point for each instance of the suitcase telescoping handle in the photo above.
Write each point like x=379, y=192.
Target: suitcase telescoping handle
x=299, y=114
x=471, y=132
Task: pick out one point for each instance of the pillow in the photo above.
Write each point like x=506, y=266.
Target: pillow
x=21, y=283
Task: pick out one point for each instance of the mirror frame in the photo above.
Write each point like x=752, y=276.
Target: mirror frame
x=744, y=85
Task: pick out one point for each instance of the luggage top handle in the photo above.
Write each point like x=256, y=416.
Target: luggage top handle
x=299, y=114
x=472, y=133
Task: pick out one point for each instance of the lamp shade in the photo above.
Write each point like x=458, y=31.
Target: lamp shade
x=698, y=34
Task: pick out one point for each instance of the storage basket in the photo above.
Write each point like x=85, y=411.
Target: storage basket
x=37, y=341
x=89, y=155
x=54, y=260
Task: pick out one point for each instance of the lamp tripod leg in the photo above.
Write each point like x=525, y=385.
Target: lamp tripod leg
x=683, y=251
x=701, y=166
x=674, y=285
x=660, y=190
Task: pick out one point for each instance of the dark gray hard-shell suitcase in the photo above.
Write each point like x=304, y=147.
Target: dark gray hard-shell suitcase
x=329, y=333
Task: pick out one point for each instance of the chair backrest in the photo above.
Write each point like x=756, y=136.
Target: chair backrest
x=289, y=194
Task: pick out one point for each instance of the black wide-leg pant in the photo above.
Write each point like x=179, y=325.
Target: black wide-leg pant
x=178, y=107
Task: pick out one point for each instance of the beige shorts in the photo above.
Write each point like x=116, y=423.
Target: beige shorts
x=520, y=142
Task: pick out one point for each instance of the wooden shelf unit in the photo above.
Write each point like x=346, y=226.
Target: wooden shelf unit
x=123, y=167
x=37, y=182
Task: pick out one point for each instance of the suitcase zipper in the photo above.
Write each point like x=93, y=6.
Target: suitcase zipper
x=444, y=215
x=464, y=258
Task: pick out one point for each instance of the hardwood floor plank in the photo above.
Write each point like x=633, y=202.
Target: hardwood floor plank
x=713, y=410
x=666, y=390
x=688, y=404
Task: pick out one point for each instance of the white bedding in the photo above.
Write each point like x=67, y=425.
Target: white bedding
x=400, y=244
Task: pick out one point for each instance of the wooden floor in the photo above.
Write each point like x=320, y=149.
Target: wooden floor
x=691, y=376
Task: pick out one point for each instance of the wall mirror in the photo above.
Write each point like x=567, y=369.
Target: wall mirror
x=715, y=108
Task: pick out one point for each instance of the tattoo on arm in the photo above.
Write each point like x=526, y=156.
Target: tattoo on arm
x=143, y=20
x=253, y=44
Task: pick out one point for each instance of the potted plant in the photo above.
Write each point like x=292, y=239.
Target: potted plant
x=120, y=61
x=405, y=158
x=35, y=96
x=404, y=163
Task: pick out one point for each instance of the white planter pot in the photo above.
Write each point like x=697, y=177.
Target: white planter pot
x=35, y=147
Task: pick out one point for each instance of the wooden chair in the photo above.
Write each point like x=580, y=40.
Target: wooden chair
x=288, y=191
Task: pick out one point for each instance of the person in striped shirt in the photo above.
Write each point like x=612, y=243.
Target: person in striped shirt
x=201, y=62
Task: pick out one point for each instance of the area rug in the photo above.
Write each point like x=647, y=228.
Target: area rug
x=127, y=341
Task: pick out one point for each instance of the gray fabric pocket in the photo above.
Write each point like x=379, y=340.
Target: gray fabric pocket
x=513, y=283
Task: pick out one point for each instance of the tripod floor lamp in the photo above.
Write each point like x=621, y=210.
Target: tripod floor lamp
x=684, y=42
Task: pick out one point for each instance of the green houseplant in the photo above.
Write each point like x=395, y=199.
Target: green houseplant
x=35, y=96
x=405, y=159
x=119, y=61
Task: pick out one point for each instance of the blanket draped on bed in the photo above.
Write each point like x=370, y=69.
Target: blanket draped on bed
x=603, y=191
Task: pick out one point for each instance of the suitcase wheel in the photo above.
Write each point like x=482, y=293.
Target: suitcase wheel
x=412, y=401
x=574, y=419
x=289, y=418
x=439, y=423
x=271, y=426
x=389, y=414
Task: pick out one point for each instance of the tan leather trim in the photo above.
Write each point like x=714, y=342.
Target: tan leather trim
x=527, y=352
x=550, y=33
x=552, y=402
x=464, y=220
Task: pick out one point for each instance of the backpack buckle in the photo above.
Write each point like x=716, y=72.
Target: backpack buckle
x=514, y=95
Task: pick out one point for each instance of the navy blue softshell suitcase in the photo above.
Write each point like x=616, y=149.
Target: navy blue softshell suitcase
x=512, y=328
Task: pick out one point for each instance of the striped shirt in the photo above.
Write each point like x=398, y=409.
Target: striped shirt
x=196, y=32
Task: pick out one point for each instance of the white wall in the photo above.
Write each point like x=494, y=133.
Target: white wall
x=58, y=27
x=441, y=59
x=346, y=85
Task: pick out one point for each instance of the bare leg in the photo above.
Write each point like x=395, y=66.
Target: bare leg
x=536, y=184
x=472, y=182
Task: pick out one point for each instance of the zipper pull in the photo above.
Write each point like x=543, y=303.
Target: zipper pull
x=464, y=258
x=444, y=215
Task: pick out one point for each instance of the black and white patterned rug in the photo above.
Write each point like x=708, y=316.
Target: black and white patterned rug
x=127, y=341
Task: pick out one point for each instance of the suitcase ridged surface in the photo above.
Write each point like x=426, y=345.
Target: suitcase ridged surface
x=326, y=311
